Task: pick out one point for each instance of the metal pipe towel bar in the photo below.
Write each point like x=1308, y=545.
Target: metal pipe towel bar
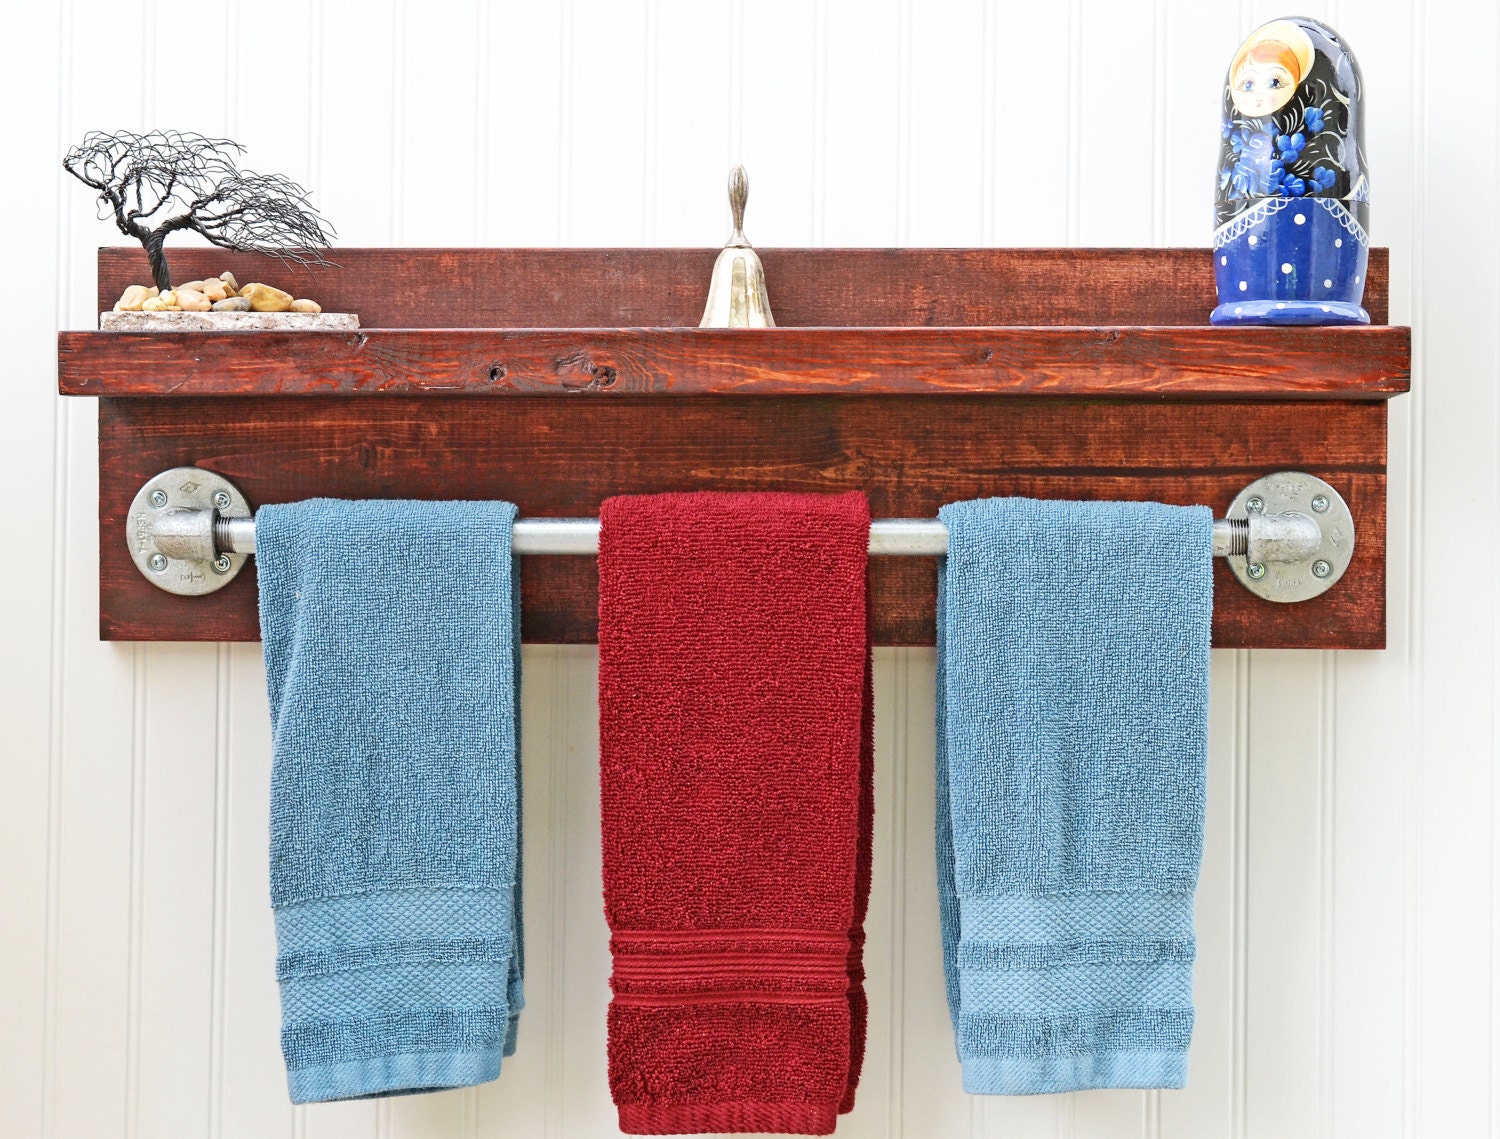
x=1289, y=535
x=889, y=537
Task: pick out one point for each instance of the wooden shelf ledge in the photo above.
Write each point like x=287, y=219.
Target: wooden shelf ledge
x=1181, y=363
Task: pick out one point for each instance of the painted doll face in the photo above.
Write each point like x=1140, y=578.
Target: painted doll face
x=1262, y=87
x=1268, y=68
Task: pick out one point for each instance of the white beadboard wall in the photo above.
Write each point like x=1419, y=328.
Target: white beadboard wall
x=1348, y=918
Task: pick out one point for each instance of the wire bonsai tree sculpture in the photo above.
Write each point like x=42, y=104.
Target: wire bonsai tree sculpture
x=157, y=183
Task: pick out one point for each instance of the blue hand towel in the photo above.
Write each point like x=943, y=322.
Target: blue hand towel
x=393, y=667
x=1072, y=739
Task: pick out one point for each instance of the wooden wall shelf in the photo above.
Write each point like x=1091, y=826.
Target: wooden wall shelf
x=1197, y=363
x=920, y=376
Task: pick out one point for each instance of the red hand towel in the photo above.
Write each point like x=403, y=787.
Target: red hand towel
x=735, y=756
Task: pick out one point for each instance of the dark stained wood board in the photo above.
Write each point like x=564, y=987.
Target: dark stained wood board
x=615, y=288
x=559, y=458
x=1165, y=361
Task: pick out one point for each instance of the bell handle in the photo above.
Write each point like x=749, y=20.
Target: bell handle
x=739, y=193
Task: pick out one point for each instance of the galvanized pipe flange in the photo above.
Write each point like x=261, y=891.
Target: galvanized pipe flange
x=1300, y=536
x=170, y=530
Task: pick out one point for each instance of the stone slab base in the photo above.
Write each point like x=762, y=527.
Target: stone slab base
x=227, y=321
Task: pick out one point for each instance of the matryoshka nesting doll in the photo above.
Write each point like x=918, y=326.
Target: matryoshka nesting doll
x=1291, y=243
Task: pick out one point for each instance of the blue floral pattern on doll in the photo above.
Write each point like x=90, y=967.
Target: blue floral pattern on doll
x=1292, y=154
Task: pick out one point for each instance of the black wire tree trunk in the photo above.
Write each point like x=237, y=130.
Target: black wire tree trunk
x=195, y=183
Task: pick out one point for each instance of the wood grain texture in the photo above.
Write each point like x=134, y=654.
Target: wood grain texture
x=1184, y=363
x=612, y=288
x=555, y=458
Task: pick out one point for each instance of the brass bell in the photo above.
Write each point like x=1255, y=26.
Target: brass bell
x=737, y=293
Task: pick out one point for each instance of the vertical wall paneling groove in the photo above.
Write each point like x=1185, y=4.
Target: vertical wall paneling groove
x=253, y=1099
x=1494, y=763
x=1032, y=85
x=557, y=777
x=483, y=122
x=989, y=37
x=872, y=1105
x=359, y=166
x=1239, y=887
x=895, y=827
x=735, y=60
x=565, y=72
x=1113, y=172
x=820, y=124
x=315, y=25
x=903, y=121
x=651, y=125
x=863, y=93
x=777, y=108
x=587, y=963
x=176, y=914
x=690, y=89
x=945, y=74
x=1159, y=68
x=137, y=889
x=1349, y=909
x=399, y=75
x=1327, y=885
x=1075, y=117
x=1282, y=893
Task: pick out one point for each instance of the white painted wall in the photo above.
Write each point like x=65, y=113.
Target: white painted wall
x=1349, y=915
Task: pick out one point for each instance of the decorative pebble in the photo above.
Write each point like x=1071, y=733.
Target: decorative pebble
x=264, y=298
x=214, y=294
x=132, y=298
